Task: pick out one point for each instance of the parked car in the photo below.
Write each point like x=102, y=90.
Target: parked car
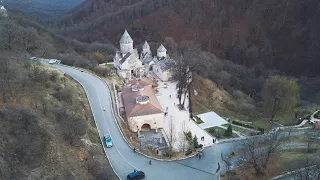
x=52, y=61
x=136, y=175
x=108, y=140
x=314, y=117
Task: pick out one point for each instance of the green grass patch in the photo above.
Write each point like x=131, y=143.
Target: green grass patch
x=241, y=130
x=198, y=120
x=265, y=124
x=219, y=132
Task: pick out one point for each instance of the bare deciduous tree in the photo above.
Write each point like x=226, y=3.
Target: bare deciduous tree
x=182, y=137
x=171, y=136
x=305, y=168
x=7, y=77
x=260, y=150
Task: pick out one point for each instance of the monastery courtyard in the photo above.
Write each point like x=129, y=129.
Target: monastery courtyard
x=178, y=117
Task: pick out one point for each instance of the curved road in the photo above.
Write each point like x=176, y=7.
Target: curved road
x=121, y=156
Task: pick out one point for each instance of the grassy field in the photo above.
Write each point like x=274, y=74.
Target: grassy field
x=219, y=133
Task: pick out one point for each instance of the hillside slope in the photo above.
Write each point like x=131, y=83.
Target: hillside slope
x=48, y=131
x=281, y=34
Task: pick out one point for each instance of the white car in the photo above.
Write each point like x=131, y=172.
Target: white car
x=52, y=61
x=315, y=117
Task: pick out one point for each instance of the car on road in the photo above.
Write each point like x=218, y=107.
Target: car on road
x=52, y=61
x=136, y=175
x=315, y=117
x=108, y=140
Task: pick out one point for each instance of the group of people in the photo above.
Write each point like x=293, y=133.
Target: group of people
x=202, y=138
x=200, y=154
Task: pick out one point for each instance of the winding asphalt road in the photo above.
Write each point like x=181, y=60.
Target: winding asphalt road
x=121, y=156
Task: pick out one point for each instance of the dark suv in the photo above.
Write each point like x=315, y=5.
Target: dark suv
x=136, y=175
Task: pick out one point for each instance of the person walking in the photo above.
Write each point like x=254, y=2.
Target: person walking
x=199, y=156
x=150, y=162
x=134, y=150
x=202, y=138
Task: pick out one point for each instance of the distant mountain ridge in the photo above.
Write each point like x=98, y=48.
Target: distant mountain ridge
x=43, y=9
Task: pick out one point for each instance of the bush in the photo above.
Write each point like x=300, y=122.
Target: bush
x=102, y=71
x=64, y=94
x=189, y=151
x=105, y=48
x=228, y=132
x=195, y=141
x=189, y=139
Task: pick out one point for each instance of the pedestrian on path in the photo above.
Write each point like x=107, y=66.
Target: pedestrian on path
x=170, y=96
x=202, y=138
x=134, y=150
x=199, y=156
x=150, y=161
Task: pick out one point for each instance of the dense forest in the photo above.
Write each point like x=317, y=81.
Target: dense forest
x=276, y=34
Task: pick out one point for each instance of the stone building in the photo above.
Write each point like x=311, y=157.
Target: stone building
x=142, y=108
x=130, y=65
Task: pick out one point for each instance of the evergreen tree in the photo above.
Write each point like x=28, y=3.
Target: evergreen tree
x=228, y=132
x=195, y=141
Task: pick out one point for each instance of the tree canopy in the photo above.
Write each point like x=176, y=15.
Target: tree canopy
x=280, y=95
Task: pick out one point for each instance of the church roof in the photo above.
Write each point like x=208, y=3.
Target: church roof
x=145, y=45
x=125, y=58
x=126, y=38
x=132, y=108
x=161, y=48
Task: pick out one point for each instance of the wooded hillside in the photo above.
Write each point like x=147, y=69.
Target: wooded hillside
x=282, y=34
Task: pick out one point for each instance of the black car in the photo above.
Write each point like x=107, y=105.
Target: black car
x=136, y=175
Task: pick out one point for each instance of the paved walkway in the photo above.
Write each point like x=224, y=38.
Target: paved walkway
x=211, y=119
x=167, y=96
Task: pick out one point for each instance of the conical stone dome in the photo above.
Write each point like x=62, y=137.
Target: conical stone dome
x=126, y=38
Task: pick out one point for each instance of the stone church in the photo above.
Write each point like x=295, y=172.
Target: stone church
x=130, y=64
x=3, y=11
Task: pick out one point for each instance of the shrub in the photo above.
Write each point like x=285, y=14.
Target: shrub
x=54, y=76
x=189, y=151
x=195, y=141
x=105, y=48
x=189, y=139
x=102, y=71
x=228, y=132
x=64, y=94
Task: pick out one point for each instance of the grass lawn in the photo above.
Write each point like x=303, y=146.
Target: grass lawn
x=265, y=124
x=218, y=131
x=244, y=131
